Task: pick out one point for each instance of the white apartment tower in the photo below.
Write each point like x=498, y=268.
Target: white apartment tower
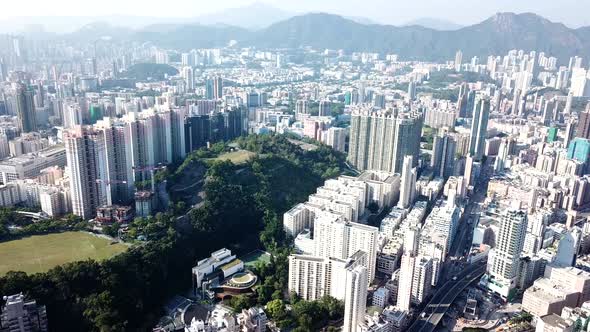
x=503, y=262
x=85, y=153
x=408, y=183
x=406, y=278
x=355, y=300
x=336, y=238
x=313, y=277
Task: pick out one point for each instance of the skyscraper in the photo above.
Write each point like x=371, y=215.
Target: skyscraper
x=218, y=88
x=412, y=90
x=462, y=101
x=569, y=132
x=25, y=108
x=458, y=60
x=404, y=295
x=443, y=155
x=379, y=141
x=313, y=277
x=301, y=107
x=355, y=299
x=336, y=138
x=117, y=159
x=214, y=88
x=189, y=78
x=209, y=89
x=583, y=129
x=85, y=153
x=333, y=237
x=479, y=128
x=325, y=108
x=407, y=191
x=503, y=261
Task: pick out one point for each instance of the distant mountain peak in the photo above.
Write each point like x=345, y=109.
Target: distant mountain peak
x=435, y=24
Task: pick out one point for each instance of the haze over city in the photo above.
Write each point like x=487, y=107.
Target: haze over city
x=395, y=12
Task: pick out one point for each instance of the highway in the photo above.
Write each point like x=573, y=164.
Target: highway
x=445, y=296
x=465, y=274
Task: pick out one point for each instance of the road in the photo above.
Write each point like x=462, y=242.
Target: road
x=453, y=267
x=446, y=295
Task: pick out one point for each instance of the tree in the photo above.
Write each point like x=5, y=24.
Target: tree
x=240, y=302
x=276, y=309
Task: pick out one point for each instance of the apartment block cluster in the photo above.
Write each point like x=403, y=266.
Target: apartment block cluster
x=337, y=253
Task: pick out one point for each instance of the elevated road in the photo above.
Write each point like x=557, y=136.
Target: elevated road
x=445, y=296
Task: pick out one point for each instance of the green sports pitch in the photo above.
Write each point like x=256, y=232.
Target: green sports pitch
x=39, y=253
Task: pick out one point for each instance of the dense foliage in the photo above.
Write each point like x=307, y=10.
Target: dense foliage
x=241, y=212
x=14, y=225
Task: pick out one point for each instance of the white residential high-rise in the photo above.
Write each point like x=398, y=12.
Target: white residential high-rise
x=408, y=183
x=313, y=277
x=85, y=153
x=404, y=295
x=189, y=78
x=422, y=279
x=458, y=60
x=503, y=261
x=336, y=138
x=355, y=299
x=336, y=238
x=568, y=247
x=580, y=83
x=119, y=180
x=297, y=219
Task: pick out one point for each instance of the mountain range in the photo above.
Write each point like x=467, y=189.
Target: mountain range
x=496, y=35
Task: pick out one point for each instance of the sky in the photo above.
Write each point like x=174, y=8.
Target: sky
x=573, y=13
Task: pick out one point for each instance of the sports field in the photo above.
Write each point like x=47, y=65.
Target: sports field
x=40, y=253
x=251, y=258
x=236, y=157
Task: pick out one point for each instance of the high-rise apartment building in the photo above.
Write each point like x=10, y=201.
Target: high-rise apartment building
x=301, y=107
x=458, y=60
x=214, y=88
x=355, y=299
x=313, y=277
x=422, y=279
x=443, y=155
x=333, y=237
x=325, y=108
x=412, y=90
x=379, y=141
x=85, y=152
x=406, y=277
x=503, y=260
x=23, y=97
x=583, y=128
x=407, y=191
x=479, y=128
x=189, y=78
x=336, y=138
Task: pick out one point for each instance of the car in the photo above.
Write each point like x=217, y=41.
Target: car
x=455, y=278
x=423, y=315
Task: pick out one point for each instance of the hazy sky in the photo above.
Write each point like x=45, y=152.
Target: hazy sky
x=570, y=12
